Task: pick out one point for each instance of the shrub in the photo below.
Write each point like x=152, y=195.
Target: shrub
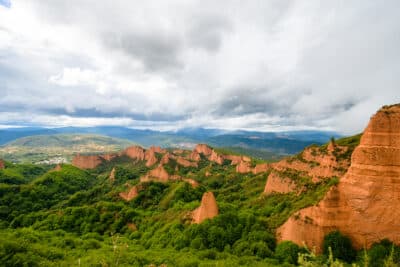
x=287, y=251
x=340, y=245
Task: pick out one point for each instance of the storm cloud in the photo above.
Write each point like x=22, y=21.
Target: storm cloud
x=257, y=65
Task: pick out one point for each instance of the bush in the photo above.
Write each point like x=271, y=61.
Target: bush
x=340, y=245
x=287, y=251
x=380, y=251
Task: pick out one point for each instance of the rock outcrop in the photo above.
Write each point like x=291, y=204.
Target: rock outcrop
x=243, y=167
x=277, y=184
x=87, y=161
x=365, y=204
x=208, y=208
x=195, y=156
x=130, y=194
x=135, y=152
x=192, y=182
x=215, y=157
x=314, y=163
x=260, y=168
x=185, y=163
x=203, y=149
x=150, y=157
x=57, y=167
x=158, y=174
x=112, y=175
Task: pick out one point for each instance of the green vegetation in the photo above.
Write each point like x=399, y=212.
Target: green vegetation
x=340, y=245
x=76, y=217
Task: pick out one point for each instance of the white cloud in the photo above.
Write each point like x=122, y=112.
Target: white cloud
x=255, y=65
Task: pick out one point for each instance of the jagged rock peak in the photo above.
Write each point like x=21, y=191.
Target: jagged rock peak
x=208, y=208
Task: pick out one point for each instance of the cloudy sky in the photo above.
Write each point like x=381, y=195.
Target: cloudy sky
x=265, y=65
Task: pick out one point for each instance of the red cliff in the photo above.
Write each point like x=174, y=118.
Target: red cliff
x=203, y=149
x=277, y=184
x=158, y=174
x=86, y=161
x=208, y=208
x=243, y=167
x=365, y=204
x=150, y=157
x=135, y=152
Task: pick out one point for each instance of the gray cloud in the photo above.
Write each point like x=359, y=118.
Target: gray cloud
x=155, y=50
x=228, y=64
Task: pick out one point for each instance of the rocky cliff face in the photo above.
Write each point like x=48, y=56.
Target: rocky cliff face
x=203, y=149
x=277, y=184
x=243, y=167
x=315, y=163
x=158, y=174
x=150, y=157
x=365, y=204
x=208, y=208
x=260, y=168
x=135, y=152
x=87, y=161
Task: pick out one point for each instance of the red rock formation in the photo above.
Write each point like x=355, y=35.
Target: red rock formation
x=165, y=159
x=195, y=156
x=208, y=208
x=192, y=182
x=131, y=194
x=112, y=175
x=260, y=168
x=185, y=163
x=277, y=184
x=215, y=157
x=57, y=167
x=203, y=149
x=243, y=167
x=86, y=162
x=150, y=158
x=135, y=152
x=157, y=149
x=365, y=204
x=2, y=165
x=158, y=174
x=235, y=160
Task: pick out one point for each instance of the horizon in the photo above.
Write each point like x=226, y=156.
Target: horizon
x=260, y=66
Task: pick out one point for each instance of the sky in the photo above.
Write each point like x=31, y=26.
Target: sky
x=254, y=65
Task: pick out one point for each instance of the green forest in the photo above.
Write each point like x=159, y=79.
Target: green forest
x=74, y=217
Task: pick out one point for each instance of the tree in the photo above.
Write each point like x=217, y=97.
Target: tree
x=341, y=246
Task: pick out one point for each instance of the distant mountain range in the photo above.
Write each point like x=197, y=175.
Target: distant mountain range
x=266, y=145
